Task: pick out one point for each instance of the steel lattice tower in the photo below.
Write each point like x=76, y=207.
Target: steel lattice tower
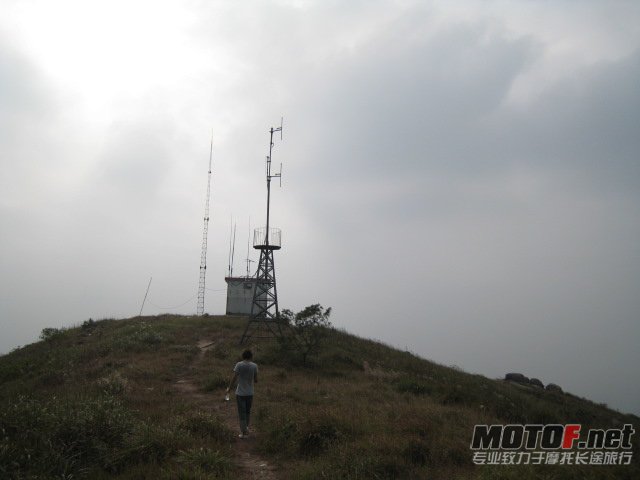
x=265, y=315
x=205, y=232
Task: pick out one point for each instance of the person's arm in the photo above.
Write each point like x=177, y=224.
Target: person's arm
x=233, y=380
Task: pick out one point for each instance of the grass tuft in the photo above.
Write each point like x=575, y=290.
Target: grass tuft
x=204, y=424
x=205, y=460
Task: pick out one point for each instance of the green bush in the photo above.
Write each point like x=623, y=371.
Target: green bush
x=308, y=330
x=89, y=325
x=50, y=333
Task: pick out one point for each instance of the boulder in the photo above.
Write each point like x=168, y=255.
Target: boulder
x=536, y=383
x=516, y=377
x=552, y=387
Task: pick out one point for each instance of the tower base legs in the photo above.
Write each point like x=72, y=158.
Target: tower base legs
x=264, y=321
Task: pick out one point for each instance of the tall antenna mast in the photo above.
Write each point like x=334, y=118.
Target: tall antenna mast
x=265, y=315
x=205, y=232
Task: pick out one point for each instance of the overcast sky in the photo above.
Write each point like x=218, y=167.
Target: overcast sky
x=461, y=179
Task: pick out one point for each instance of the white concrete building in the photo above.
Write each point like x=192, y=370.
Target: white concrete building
x=240, y=295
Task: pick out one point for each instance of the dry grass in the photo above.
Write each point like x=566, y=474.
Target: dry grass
x=360, y=410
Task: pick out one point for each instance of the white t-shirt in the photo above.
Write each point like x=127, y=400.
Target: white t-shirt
x=246, y=371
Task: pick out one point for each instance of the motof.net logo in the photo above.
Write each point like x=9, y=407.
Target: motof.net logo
x=551, y=445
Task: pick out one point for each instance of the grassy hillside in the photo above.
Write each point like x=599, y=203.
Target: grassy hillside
x=101, y=401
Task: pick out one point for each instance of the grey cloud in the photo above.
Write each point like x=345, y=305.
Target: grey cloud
x=22, y=89
x=490, y=235
x=442, y=111
x=420, y=106
x=28, y=109
x=136, y=158
x=587, y=123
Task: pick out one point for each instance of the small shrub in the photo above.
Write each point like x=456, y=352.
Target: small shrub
x=50, y=333
x=89, y=325
x=309, y=328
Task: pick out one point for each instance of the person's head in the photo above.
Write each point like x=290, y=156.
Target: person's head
x=247, y=355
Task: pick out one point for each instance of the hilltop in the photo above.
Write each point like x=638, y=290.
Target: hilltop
x=143, y=398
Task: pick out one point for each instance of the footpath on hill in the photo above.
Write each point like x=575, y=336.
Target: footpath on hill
x=251, y=466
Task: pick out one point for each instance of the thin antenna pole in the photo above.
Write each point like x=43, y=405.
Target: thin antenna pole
x=205, y=232
x=145, y=296
x=270, y=176
x=229, y=254
x=266, y=234
x=233, y=249
x=248, y=242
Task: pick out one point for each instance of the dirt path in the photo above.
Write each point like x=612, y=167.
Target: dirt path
x=251, y=465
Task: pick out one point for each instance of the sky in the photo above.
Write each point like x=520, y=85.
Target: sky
x=460, y=179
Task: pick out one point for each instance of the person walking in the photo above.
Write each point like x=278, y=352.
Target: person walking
x=246, y=374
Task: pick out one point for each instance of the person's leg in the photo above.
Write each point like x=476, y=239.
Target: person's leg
x=249, y=401
x=242, y=412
